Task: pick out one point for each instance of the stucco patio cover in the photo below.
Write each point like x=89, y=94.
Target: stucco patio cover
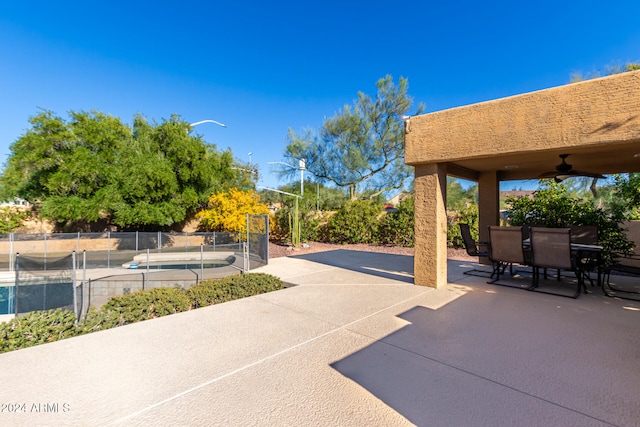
x=596, y=122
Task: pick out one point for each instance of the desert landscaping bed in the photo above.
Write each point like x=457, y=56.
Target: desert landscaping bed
x=277, y=250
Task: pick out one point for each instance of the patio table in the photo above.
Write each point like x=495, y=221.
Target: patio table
x=581, y=251
x=589, y=252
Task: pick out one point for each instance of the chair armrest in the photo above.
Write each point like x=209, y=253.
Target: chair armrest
x=621, y=257
x=626, y=267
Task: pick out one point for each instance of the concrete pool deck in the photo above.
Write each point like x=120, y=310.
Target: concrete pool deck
x=353, y=344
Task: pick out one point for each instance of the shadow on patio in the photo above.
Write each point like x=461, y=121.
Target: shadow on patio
x=364, y=350
x=550, y=360
x=386, y=266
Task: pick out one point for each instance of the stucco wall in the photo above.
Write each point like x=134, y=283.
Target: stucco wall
x=589, y=113
x=430, y=259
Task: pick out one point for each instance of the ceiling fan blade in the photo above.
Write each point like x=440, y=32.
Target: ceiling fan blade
x=587, y=174
x=549, y=174
x=564, y=170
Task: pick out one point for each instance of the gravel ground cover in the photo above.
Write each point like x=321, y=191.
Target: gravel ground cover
x=277, y=250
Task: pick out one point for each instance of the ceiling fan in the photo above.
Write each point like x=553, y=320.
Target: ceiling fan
x=564, y=170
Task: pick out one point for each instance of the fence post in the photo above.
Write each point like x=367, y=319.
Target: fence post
x=84, y=279
x=108, y=249
x=17, y=283
x=45, y=250
x=247, y=236
x=136, y=242
x=159, y=241
x=147, y=269
x=11, y=249
x=201, y=261
x=12, y=299
x=266, y=237
x=73, y=285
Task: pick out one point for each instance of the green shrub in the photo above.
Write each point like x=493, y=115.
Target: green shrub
x=40, y=327
x=144, y=305
x=551, y=206
x=12, y=218
x=314, y=227
x=355, y=222
x=466, y=215
x=397, y=228
x=37, y=327
x=211, y=292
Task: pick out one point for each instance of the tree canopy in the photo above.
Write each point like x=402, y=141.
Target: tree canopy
x=317, y=196
x=608, y=70
x=552, y=206
x=95, y=167
x=626, y=194
x=227, y=211
x=360, y=147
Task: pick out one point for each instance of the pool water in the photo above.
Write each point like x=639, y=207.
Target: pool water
x=173, y=265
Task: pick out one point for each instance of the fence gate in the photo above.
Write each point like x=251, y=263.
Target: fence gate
x=44, y=284
x=257, y=240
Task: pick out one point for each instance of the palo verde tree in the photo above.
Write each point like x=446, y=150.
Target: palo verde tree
x=608, y=71
x=227, y=210
x=94, y=167
x=361, y=147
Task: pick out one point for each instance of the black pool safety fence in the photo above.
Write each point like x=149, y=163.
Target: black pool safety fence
x=43, y=272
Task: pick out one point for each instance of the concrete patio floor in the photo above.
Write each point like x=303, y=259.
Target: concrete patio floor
x=354, y=344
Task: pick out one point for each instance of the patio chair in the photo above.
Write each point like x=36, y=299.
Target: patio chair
x=551, y=249
x=473, y=249
x=586, y=235
x=626, y=265
x=505, y=249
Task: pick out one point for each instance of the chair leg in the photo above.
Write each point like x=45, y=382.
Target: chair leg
x=585, y=274
x=497, y=266
x=536, y=282
x=581, y=285
x=535, y=273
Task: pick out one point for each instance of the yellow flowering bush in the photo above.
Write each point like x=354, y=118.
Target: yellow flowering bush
x=228, y=211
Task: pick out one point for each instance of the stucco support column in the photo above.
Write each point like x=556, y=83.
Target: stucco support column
x=430, y=260
x=488, y=204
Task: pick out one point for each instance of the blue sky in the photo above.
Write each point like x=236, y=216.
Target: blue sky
x=264, y=67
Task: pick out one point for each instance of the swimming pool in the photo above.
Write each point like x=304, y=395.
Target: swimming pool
x=183, y=265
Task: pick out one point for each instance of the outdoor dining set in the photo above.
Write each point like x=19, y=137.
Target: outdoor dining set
x=542, y=256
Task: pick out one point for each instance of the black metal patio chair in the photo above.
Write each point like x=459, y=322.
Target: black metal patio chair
x=474, y=249
x=506, y=249
x=551, y=249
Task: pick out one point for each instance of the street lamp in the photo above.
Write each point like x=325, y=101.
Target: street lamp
x=207, y=121
x=250, y=153
x=295, y=228
x=302, y=165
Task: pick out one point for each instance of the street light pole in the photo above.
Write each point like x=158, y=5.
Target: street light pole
x=302, y=165
x=296, y=230
x=207, y=121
